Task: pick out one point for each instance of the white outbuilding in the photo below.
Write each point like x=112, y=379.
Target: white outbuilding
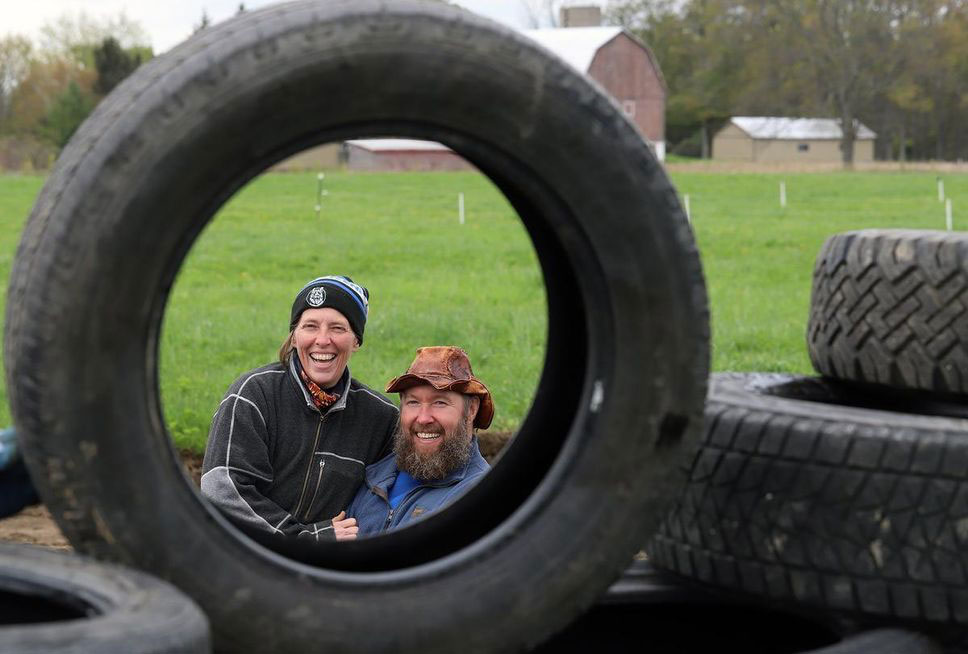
x=776, y=139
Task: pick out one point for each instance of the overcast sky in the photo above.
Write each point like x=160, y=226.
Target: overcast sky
x=168, y=22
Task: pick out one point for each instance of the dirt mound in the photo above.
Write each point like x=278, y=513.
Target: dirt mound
x=34, y=525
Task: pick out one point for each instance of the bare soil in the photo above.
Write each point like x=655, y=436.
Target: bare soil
x=35, y=526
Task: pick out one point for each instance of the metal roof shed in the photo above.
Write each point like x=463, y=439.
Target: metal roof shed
x=402, y=154
x=778, y=139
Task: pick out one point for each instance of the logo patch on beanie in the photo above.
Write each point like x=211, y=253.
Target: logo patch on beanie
x=316, y=296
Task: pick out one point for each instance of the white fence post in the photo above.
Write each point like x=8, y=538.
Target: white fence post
x=460, y=207
x=320, y=192
x=947, y=213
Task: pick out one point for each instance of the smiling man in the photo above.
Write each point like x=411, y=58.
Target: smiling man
x=435, y=455
x=289, y=443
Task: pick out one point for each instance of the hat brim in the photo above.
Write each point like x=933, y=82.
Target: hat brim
x=472, y=386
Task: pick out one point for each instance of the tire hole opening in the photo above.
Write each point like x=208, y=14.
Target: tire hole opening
x=39, y=605
x=442, y=250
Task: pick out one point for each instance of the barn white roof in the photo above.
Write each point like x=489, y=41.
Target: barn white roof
x=397, y=145
x=799, y=129
x=576, y=45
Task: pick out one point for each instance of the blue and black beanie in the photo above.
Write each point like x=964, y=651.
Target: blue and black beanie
x=336, y=292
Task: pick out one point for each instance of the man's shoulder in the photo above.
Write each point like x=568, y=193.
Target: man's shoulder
x=477, y=467
x=360, y=392
x=378, y=470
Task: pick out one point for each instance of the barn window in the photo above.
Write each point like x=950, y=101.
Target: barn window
x=628, y=107
x=803, y=147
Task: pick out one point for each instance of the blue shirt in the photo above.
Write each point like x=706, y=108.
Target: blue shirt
x=403, y=485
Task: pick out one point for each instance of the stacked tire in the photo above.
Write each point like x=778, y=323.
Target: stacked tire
x=620, y=401
x=846, y=494
x=543, y=535
x=647, y=610
x=60, y=603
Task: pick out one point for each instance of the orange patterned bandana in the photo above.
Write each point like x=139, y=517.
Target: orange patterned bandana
x=321, y=398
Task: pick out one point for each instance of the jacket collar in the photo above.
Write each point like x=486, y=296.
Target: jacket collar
x=383, y=473
x=343, y=384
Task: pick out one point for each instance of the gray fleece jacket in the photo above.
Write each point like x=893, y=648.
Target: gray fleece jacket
x=275, y=463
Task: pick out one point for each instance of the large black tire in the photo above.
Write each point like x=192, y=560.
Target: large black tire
x=891, y=307
x=619, y=400
x=648, y=611
x=806, y=493
x=51, y=602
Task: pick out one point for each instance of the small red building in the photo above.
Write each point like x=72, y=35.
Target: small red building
x=620, y=63
x=402, y=154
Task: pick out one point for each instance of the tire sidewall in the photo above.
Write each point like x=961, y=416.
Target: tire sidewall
x=227, y=105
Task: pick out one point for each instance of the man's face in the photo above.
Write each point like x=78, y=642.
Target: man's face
x=324, y=342
x=434, y=436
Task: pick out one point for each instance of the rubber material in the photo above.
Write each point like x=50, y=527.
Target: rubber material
x=648, y=610
x=56, y=603
x=619, y=400
x=891, y=307
x=808, y=502
x=884, y=641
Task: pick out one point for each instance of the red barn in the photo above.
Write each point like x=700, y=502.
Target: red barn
x=624, y=66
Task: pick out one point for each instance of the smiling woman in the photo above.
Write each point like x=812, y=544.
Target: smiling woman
x=620, y=395
x=290, y=440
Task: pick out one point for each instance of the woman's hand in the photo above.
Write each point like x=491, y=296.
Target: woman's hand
x=344, y=528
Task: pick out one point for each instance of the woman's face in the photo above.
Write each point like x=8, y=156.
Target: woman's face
x=324, y=342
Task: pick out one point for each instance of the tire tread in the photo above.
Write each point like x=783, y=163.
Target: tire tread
x=889, y=307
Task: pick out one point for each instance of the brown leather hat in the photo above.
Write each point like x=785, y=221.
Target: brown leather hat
x=446, y=367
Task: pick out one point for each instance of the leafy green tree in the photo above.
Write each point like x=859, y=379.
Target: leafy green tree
x=76, y=36
x=701, y=56
x=203, y=23
x=15, y=56
x=851, y=49
x=113, y=64
x=47, y=79
x=66, y=114
x=542, y=13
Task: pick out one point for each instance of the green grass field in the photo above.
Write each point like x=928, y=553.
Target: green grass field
x=433, y=281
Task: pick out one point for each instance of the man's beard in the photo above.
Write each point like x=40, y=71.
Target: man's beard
x=453, y=453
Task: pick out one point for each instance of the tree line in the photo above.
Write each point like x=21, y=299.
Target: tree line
x=899, y=67
x=49, y=86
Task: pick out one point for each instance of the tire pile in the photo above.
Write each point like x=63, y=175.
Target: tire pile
x=846, y=495
x=590, y=476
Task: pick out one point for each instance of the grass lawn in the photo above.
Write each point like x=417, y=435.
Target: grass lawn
x=758, y=258
x=478, y=285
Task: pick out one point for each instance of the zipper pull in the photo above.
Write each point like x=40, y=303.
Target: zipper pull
x=389, y=518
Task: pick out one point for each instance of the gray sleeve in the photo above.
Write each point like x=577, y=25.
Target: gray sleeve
x=236, y=471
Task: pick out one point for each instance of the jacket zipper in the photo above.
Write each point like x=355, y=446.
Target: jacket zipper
x=322, y=464
x=309, y=469
x=403, y=500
